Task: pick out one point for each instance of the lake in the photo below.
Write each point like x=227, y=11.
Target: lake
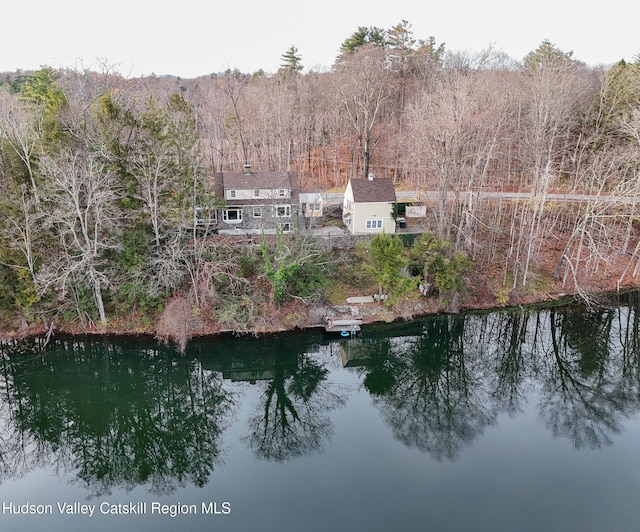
x=526, y=419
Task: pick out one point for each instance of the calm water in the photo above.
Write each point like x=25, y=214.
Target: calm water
x=522, y=420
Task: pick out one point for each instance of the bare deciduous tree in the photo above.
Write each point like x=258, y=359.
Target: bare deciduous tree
x=454, y=134
x=21, y=128
x=363, y=89
x=81, y=209
x=555, y=88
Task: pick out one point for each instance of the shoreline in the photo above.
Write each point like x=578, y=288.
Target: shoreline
x=369, y=314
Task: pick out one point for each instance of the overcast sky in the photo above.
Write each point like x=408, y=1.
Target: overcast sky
x=190, y=38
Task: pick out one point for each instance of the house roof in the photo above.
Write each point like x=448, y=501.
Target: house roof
x=256, y=180
x=242, y=181
x=373, y=190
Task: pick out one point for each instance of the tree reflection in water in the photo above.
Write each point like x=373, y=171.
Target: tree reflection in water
x=292, y=418
x=132, y=413
x=115, y=419
x=584, y=394
x=440, y=388
x=435, y=398
x=296, y=395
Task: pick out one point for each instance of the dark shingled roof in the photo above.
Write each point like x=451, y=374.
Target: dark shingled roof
x=373, y=191
x=241, y=181
x=255, y=180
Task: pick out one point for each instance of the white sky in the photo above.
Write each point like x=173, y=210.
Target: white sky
x=190, y=38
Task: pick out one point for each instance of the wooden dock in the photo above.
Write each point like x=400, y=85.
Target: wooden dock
x=342, y=325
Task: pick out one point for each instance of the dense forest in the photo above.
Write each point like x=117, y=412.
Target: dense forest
x=101, y=176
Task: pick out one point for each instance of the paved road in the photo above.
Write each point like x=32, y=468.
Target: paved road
x=431, y=195
x=435, y=195
x=338, y=197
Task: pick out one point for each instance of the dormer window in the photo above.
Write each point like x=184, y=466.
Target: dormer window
x=283, y=193
x=256, y=193
x=232, y=193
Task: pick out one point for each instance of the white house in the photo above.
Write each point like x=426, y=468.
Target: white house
x=368, y=206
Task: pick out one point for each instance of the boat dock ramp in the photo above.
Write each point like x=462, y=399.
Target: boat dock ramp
x=345, y=327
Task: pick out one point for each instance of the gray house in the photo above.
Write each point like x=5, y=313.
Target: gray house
x=256, y=202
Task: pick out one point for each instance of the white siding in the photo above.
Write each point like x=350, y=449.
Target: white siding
x=263, y=193
x=372, y=211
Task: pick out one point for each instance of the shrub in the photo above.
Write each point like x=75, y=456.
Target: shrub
x=174, y=324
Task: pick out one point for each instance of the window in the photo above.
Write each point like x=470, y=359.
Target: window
x=374, y=224
x=314, y=207
x=285, y=227
x=283, y=211
x=205, y=216
x=257, y=212
x=232, y=216
x=283, y=193
x=256, y=193
x=232, y=193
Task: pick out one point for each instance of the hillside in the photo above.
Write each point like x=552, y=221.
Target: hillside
x=102, y=176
